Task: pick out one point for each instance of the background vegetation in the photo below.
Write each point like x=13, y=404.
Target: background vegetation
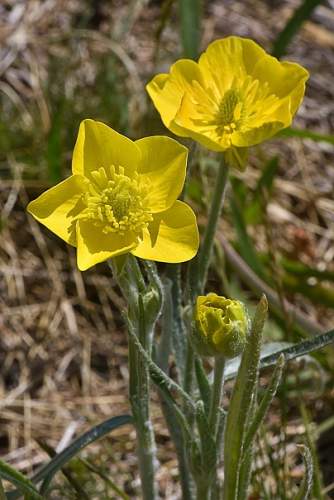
x=62, y=345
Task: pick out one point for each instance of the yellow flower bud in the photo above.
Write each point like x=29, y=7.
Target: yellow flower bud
x=221, y=326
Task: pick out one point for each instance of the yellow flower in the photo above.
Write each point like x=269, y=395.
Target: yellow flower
x=122, y=197
x=234, y=97
x=221, y=326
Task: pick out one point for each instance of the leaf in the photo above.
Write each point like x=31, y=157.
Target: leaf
x=271, y=352
x=97, y=432
x=269, y=349
x=306, y=134
x=301, y=14
x=190, y=14
x=241, y=402
x=254, y=211
x=306, y=486
x=264, y=405
x=246, y=246
x=300, y=269
x=317, y=486
x=19, y=480
x=203, y=383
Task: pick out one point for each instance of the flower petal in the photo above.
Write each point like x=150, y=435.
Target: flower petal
x=98, y=146
x=58, y=207
x=284, y=79
x=176, y=236
x=189, y=117
x=229, y=58
x=166, y=91
x=163, y=169
x=94, y=246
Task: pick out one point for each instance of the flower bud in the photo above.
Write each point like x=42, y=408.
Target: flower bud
x=221, y=326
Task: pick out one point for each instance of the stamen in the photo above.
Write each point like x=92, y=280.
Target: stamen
x=116, y=203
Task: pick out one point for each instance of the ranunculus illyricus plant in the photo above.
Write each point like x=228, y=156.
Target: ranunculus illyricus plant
x=221, y=326
x=122, y=197
x=236, y=96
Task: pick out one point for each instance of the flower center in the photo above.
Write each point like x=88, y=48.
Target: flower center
x=230, y=111
x=115, y=202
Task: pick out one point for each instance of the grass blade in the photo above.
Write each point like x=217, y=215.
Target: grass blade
x=15, y=477
x=190, y=15
x=306, y=134
x=290, y=352
x=306, y=486
x=245, y=244
x=292, y=27
x=317, y=475
x=97, y=432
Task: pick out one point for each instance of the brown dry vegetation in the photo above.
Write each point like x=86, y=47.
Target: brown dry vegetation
x=63, y=354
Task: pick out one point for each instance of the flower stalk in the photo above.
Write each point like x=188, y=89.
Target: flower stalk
x=217, y=393
x=143, y=311
x=201, y=262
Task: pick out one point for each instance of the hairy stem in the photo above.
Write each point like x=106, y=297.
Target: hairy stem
x=217, y=391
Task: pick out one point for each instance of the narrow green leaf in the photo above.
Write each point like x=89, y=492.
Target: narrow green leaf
x=79, y=444
x=245, y=244
x=15, y=477
x=203, y=384
x=306, y=486
x=54, y=147
x=241, y=401
x=74, y=448
x=317, y=475
x=181, y=437
x=67, y=472
x=254, y=211
x=298, y=268
x=306, y=134
x=318, y=294
x=264, y=405
x=208, y=442
x=291, y=352
x=190, y=15
x=301, y=14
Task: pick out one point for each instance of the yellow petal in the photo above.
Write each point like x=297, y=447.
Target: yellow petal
x=162, y=169
x=176, y=238
x=257, y=134
x=190, y=119
x=58, y=207
x=94, y=246
x=284, y=79
x=229, y=58
x=98, y=146
x=166, y=91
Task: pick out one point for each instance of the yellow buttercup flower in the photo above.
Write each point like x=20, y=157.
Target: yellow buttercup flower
x=122, y=197
x=236, y=96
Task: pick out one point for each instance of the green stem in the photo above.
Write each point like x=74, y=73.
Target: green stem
x=217, y=392
x=202, y=261
x=189, y=368
x=139, y=399
x=215, y=415
x=202, y=492
x=132, y=284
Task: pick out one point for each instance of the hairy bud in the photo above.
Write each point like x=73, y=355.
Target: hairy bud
x=221, y=326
